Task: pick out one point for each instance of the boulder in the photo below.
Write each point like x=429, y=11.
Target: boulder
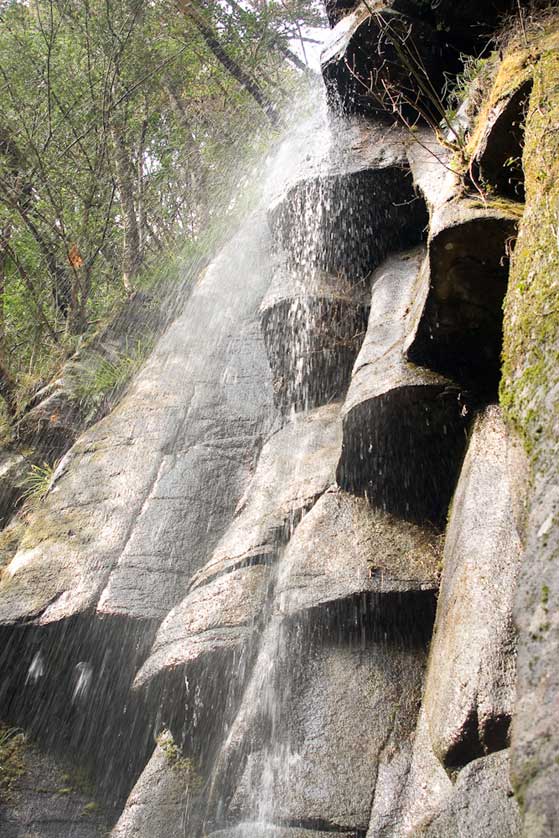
x=142, y=498
x=313, y=327
x=459, y=331
x=470, y=686
x=295, y=467
x=481, y=805
x=345, y=547
x=403, y=425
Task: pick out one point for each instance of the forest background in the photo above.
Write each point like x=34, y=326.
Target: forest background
x=126, y=130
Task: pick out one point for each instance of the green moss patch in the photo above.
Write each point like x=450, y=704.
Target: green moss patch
x=531, y=323
x=12, y=759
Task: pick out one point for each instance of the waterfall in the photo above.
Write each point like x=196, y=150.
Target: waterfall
x=224, y=610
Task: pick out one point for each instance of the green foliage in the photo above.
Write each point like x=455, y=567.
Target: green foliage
x=38, y=482
x=103, y=377
x=124, y=134
x=12, y=764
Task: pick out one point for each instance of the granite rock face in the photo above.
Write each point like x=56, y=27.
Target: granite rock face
x=481, y=805
x=296, y=465
x=397, y=413
x=47, y=799
x=498, y=153
x=217, y=615
x=159, y=802
x=300, y=776
x=154, y=482
x=352, y=203
x=344, y=548
x=470, y=688
x=459, y=331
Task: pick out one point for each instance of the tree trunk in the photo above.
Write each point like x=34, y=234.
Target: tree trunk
x=131, y=257
x=194, y=14
x=197, y=172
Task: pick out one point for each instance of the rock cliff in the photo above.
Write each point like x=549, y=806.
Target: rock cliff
x=302, y=580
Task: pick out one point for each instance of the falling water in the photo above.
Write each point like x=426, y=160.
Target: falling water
x=168, y=611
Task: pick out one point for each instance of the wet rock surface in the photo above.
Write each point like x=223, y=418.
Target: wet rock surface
x=397, y=413
x=296, y=465
x=304, y=777
x=344, y=547
x=218, y=615
x=178, y=449
x=351, y=202
x=47, y=799
x=313, y=324
x=262, y=830
x=197, y=568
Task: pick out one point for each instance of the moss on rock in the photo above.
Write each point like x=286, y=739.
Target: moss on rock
x=531, y=326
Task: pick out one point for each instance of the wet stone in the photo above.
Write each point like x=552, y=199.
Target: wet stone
x=403, y=425
x=335, y=695
x=263, y=830
x=295, y=467
x=219, y=615
x=313, y=325
x=347, y=223
x=410, y=789
x=470, y=686
x=344, y=547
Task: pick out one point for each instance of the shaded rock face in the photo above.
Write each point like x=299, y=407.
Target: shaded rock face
x=46, y=798
x=397, y=413
x=460, y=329
x=364, y=64
x=313, y=327
x=499, y=149
x=348, y=224
x=464, y=24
